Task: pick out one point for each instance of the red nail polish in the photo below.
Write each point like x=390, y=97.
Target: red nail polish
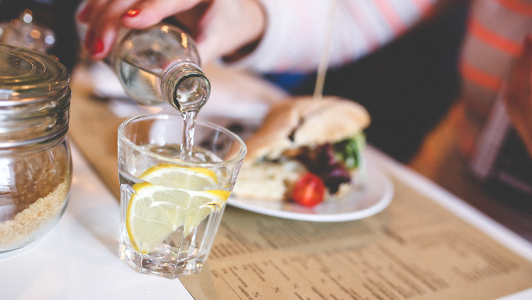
x=96, y=47
x=132, y=13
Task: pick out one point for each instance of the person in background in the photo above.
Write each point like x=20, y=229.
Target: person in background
x=486, y=137
x=280, y=37
x=231, y=28
x=381, y=51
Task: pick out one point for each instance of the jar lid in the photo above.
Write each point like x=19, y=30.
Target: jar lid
x=34, y=98
x=27, y=75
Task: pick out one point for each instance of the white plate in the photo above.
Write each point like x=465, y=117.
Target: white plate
x=361, y=203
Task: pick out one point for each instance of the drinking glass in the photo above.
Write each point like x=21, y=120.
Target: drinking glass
x=171, y=208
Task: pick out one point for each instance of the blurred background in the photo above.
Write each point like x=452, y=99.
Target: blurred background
x=407, y=86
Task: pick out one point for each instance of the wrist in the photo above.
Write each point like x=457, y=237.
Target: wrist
x=257, y=25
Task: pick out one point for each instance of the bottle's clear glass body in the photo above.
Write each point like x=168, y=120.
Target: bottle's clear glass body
x=161, y=64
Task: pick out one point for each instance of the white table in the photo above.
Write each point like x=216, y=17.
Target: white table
x=78, y=258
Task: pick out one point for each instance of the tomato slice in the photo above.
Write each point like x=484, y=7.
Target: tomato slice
x=309, y=190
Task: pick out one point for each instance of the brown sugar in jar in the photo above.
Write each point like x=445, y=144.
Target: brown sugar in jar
x=35, y=161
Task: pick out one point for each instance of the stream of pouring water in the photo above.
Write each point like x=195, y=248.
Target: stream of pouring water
x=189, y=117
x=324, y=59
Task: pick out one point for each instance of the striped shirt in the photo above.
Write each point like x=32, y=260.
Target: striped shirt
x=495, y=34
x=297, y=31
x=485, y=135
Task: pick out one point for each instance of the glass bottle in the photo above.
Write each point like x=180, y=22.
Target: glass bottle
x=35, y=161
x=160, y=63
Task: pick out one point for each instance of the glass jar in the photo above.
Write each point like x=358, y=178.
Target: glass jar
x=35, y=161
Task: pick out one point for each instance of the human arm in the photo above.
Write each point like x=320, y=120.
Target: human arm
x=296, y=31
x=220, y=27
x=290, y=34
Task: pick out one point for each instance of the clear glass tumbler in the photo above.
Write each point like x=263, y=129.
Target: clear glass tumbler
x=170, y=208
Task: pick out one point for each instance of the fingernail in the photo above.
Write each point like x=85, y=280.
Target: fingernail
x=132, y=13
x=96, y=46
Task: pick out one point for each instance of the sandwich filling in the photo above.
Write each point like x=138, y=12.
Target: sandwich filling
x=333, y=163
x=305, y=149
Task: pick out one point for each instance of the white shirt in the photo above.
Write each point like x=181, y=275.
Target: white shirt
x=297, y=31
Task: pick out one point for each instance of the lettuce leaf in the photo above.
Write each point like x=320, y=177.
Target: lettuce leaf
x=350, y=150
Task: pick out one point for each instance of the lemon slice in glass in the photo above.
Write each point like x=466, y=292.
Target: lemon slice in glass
x=154, y=212
x=174, y=176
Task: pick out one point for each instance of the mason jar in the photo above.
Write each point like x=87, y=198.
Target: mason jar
x=35, y=161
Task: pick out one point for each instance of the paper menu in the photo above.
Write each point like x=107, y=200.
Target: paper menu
x=414, y=249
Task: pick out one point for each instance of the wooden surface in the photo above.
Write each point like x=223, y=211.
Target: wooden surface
x=440, y=161
x=93, y=129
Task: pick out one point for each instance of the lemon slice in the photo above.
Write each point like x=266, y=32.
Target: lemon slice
x=179, y=177
x=154, y=212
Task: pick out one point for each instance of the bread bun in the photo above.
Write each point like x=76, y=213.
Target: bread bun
x=304, y=121
x=272, y=181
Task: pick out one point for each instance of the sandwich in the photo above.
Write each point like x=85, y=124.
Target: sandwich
x=306, y=150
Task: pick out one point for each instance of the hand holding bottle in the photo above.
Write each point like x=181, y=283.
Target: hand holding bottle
x=219, y=27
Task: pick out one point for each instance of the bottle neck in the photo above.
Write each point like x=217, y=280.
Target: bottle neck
x=185, y=87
